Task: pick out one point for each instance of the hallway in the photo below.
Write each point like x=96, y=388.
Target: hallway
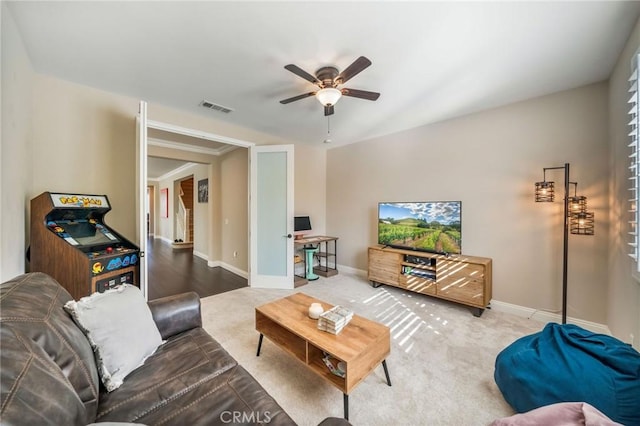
x=177, y=271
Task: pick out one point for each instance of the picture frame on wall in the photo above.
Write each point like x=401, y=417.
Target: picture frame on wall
x=164, y=202
x=203, y=191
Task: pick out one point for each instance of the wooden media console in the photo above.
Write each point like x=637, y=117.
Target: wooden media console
x=459, y=278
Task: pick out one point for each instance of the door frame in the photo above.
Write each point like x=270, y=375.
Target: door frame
x=142, y=165
x=141, y=195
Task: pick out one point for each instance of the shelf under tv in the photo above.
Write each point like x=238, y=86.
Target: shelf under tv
x=458, y=278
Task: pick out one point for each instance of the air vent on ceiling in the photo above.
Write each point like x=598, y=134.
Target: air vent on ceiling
x=215, y=107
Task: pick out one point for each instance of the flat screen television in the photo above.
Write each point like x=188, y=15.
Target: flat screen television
x=431, y=226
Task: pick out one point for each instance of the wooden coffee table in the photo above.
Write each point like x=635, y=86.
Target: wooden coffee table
x=362, y=345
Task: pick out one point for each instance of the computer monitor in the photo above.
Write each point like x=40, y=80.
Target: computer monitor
x=301, y=226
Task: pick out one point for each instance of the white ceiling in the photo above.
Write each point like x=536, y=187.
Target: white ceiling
x=431, y=60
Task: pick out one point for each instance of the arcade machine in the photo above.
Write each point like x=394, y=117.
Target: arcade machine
x=71, y=242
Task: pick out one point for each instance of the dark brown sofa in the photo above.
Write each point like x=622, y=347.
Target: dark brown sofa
x=48, y=374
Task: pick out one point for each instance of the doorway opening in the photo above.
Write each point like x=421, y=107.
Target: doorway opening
x=183, y=225
x=263, y=242
x=192, y=249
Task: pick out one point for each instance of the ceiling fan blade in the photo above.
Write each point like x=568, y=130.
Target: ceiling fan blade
x=297, y=98
x=353, y=69
x=302, y=73
x=328, y=110
x=362, y=94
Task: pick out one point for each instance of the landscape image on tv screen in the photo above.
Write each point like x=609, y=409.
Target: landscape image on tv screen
x=428, y=226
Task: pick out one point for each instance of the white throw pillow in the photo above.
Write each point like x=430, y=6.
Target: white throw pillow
x=120, y=328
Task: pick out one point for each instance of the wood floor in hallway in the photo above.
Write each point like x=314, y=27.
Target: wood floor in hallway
x=176, y=271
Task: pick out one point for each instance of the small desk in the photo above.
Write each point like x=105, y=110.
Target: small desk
x=327, y=254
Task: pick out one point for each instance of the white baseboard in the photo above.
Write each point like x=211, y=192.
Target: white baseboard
x=215, y=263
x=165, y=239
x=230, y=268
x=544, y=316
x=521, y=311
x=200, y=255
x=352, y=271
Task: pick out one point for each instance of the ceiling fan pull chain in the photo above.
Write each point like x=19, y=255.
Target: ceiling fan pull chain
x=328, y=138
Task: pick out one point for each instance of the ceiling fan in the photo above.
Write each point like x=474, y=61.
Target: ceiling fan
x=328, y=79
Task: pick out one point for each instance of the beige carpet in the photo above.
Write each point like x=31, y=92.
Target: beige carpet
x=441, y=363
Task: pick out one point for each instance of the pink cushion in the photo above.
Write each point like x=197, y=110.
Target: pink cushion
x=561, y=414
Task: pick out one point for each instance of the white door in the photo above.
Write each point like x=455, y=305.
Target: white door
x=141, y=194
x=271, y=216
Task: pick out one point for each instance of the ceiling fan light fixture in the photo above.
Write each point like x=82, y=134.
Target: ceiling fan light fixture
x=328, y=96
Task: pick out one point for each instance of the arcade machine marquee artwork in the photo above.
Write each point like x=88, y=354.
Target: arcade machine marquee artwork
x=71, y=242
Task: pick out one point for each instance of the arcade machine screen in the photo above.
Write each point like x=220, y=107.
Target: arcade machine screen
x=88, y=234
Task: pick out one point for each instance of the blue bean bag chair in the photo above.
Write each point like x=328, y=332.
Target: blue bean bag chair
x=566, y=363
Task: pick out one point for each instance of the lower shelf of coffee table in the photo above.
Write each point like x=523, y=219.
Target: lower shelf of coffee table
x=302, y=350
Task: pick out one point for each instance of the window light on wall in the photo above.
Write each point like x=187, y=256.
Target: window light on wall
x=634, y=161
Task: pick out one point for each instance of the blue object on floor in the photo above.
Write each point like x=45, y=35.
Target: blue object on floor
x=566, y=363
x=310, y=275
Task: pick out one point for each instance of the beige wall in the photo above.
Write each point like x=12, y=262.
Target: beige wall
x=151, y=192
x=310, y=185
x=490, y=162
x=623, y=315
x=234, y=209
x=84, y=142
x=16, y=148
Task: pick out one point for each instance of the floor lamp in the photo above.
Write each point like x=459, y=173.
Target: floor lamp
x=576, y=219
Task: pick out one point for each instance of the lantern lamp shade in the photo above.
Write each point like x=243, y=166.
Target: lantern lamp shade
x=577, y=204
x=544, y=192
x=582, y=223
